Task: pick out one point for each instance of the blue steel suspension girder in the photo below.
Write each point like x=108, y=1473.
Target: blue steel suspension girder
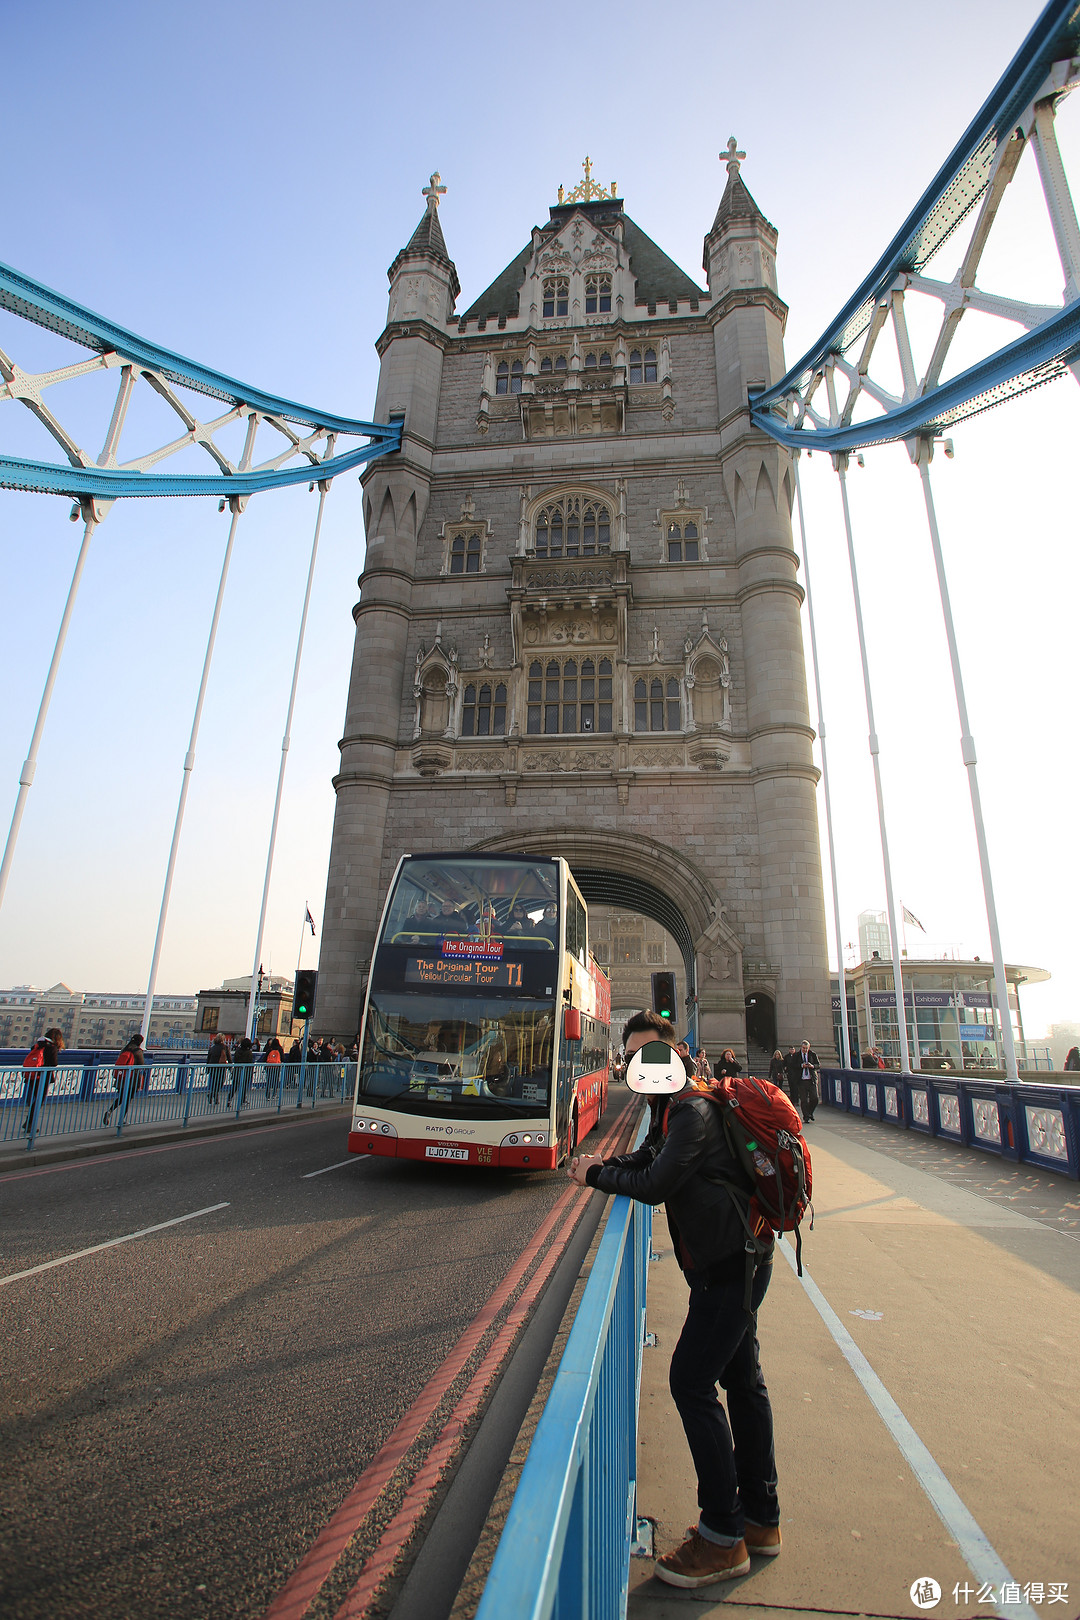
x=45, y=478
x=950, y=196
x=34, y=302
x=1038, y=357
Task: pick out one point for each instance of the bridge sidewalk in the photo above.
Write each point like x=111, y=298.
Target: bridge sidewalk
x=967, y=1307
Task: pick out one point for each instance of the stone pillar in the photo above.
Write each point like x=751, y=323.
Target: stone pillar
x=423, y=287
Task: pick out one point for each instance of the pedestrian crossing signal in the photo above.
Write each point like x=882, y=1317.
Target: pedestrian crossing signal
x=307, y=980
x=663, y=994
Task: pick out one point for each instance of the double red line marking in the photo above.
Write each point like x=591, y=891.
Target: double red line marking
x=300, y=1590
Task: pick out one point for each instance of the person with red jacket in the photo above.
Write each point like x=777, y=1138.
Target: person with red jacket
x=38, y=1069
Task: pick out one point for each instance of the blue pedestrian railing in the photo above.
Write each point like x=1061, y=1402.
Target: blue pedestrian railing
x=565, y=1548
x=1026, y=1123
x=85, y=1095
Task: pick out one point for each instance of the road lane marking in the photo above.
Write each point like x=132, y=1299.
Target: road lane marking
x=354, y=1159
x=300, y=1590
x=959, y=1521
x=91, y=1159
x=96, y=1248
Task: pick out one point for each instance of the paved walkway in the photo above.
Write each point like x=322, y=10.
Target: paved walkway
x=958, y=1279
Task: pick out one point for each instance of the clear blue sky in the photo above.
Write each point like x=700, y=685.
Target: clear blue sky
x=232, y=180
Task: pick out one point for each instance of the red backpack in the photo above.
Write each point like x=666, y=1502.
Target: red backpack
x=124, y=1060
x=35, y=1058
x=764, y=1133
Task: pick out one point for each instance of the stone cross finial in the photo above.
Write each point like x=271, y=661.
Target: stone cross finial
x=434, y=191
x=735, y=158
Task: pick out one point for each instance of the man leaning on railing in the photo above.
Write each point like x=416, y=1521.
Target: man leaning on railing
x=683, y=1164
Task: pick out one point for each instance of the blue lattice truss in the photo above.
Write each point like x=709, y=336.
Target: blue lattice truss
x=306, y=437
x=1018, y=112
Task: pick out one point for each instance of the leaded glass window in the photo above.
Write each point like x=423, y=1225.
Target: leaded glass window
x=657, y=705
x=466, y=551
x=508, y=375
x=597, y=294
x=556, y=296
x=643, y=368
x=569, y=697
x=483, y=711
x=682, y=541
x=573, y=526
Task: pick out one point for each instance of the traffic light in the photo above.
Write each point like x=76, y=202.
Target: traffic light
x=663, y=994
x=307, y=980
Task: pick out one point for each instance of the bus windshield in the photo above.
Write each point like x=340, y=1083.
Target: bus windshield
x=513, y=901
x=480, y=1057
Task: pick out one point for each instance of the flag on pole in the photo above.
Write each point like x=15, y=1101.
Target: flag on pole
x=909, y=916
x=309, y=919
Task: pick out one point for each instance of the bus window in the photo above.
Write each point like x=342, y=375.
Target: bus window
x=441, y=1049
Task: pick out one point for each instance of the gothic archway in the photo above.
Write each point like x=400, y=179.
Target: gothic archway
x=607, y=868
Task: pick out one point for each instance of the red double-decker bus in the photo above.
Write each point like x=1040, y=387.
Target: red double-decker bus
x=486, y=1020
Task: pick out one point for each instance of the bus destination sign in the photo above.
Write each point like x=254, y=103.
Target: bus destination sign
x=470, y=972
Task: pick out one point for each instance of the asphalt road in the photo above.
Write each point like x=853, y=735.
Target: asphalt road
x=181, y=1414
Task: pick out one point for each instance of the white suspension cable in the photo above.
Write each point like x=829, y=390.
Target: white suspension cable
x=840, y=463
x=967, y=750
x=189, y=765
x=26, y=775
x=845, y=1057
x=252, y=996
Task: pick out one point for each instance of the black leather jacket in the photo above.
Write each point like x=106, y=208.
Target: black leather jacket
x=708, y=1236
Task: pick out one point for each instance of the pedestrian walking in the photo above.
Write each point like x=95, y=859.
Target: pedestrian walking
x=272, y=1060
x=728, y=1066
x=38, y=1067
x=241, y=1071
x=217, y=1068
x=129, y=1060
x=1072, y=1059
x=687, y=1164
x=809, y=1068
x=778, y=1070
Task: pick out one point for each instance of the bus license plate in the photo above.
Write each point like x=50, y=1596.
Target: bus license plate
x=433, y=1151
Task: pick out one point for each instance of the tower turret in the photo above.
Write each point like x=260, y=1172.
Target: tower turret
x=423, y=289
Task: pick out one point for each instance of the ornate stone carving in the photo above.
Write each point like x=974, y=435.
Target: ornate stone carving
x=489, y=761
x=578, y=759
x=556, y=259
x=666, y=758
x=431, y=757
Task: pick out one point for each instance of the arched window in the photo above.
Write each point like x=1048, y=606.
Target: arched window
x=568, y=697
x=643, y=370
x=556, y=296
x=560, y=362
x=655, y=711
x=573, y=526
x=545, y=364
x=434, y=703
x=508, y=376
x=682, y=541
x=605, y=359
x=590, y=362
x=597, y=294
x=480, y=715
x=466, y=551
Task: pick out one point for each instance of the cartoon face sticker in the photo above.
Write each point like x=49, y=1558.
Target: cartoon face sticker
x=656, y=1069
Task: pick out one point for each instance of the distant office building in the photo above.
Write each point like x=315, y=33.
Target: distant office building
x=104, y=1019
x=874, y=936
x=224, y=1011
x=952, y=1017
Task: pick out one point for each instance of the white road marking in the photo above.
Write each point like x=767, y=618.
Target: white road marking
x=129, y=1237
x=355, y=1159
x=959, y=1521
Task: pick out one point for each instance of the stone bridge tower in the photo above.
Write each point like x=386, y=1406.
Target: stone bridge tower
x=578, y=629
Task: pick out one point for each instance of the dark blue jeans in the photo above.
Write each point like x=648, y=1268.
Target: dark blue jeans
x=732, y=1451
